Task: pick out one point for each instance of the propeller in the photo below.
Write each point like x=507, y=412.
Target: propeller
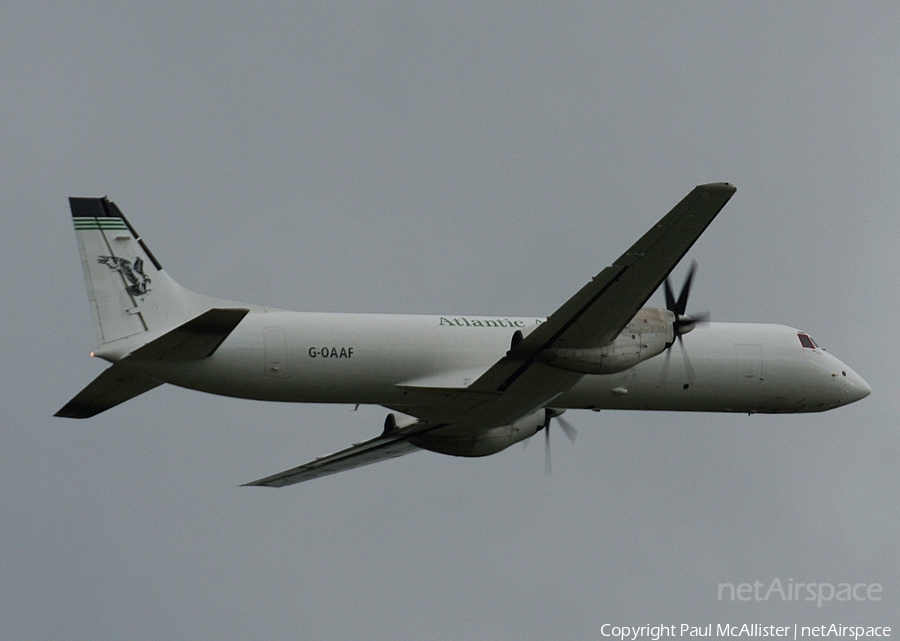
x=683, y=323
x=567, y=428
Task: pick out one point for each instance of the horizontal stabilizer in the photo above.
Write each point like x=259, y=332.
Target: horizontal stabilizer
x=195, y=339
x=115, y=385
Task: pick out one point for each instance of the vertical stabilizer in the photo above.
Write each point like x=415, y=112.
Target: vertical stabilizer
x=129, y=291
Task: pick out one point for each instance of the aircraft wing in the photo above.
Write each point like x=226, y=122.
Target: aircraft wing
x=593, y=317
x=386, y=446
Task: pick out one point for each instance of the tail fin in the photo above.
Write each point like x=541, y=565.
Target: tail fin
x=129, y=291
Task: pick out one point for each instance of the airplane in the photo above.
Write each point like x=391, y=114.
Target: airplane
x=459, y=385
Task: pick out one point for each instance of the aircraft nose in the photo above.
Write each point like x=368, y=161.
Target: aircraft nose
x=857, y=387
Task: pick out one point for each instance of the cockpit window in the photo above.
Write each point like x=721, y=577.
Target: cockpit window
x=807, y=341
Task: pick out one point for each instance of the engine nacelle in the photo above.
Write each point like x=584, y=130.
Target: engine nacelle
x=647, y=335
x=466, y=441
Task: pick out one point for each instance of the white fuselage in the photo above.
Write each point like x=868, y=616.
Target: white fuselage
x=373, y=358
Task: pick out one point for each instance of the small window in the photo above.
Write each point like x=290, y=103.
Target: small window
x=806, y=341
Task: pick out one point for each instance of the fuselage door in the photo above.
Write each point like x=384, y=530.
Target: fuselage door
x=276, y=352
x=749, y=359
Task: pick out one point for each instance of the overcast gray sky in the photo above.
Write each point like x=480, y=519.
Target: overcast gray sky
x=465, y=158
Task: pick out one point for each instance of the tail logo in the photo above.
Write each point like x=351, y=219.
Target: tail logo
x=133, y=272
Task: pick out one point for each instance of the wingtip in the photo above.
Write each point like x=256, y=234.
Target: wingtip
x=257, y=484
x=75, y=409
x=726, y=187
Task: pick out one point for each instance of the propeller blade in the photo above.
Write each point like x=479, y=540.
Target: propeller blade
x=688, y=368
x=665, y=368
x=683, y=323
x=700, y=319
x=567, y=428
x=681, y=303
x=670, y=299
x=547, y=450
x=679, y=306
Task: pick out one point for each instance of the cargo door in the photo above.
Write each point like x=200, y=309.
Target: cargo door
x=276, y=353
x=749, y=359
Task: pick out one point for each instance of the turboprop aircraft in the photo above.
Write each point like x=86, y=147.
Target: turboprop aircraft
x=454, y=384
